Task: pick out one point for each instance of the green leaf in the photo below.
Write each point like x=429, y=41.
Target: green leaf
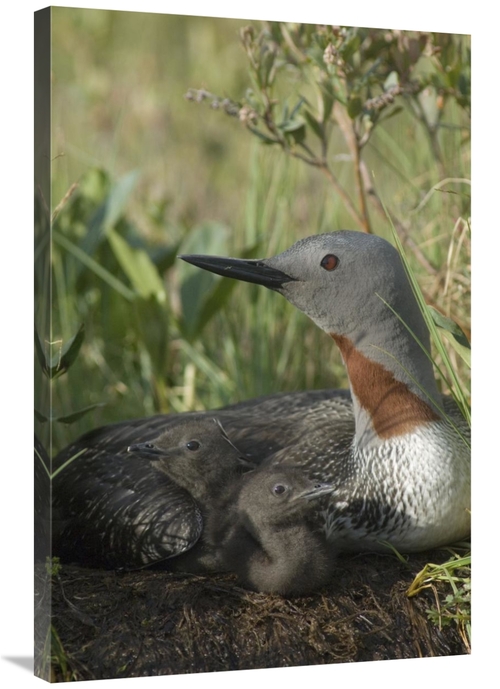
x=314, y=124
x=296, y=129
x=70, y=349
x=69, y=418
x=256, y=89
x=328, y=98
x=350, y=45
x=299, y=134
x=94, y=185
x=152, y=320
x=139, y=268
x=41, y=353
x=89, y=262
x=315, y=55
x=450, y=326
x=354, y=106
x=464, y=84
x=75, y=416
x=392, y=80
x=58, y=364
x=266, y=66
x=213, y=303
x=453, y=333
x=108, y=214
x=263, y=137
x=296, y=109
x=196, y=284
x=220, y=294
x=203, y=294
x=292, y=125
x=164, y=257
x=118, y=197
x=40, y=417
x=390, y=113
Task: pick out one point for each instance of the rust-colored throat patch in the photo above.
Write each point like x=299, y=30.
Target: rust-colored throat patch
x=393, y=408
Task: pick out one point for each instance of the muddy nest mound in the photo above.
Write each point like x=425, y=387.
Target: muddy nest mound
x=133, y=624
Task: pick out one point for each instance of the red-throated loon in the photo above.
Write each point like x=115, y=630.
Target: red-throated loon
x=395, y=451
x=406, y=472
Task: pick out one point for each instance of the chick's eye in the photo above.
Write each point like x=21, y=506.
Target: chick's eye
x=329, y=262
x=149, y=445
x=279, y=489
x=193, y=445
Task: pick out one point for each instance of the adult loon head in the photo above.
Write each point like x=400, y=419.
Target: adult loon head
x=354, y=287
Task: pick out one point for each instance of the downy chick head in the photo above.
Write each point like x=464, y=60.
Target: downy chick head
x=196, y=454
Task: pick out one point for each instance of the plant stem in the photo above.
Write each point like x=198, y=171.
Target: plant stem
x=347, y=128
x=323, y=166
x=431, y=131
x=400, y=228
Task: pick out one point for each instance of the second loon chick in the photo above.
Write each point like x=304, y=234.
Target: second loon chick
x=266, y=534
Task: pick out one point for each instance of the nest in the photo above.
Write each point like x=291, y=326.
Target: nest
x=104, y=624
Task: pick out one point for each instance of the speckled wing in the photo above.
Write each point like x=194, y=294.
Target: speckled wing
x=117, y=511
x=258, y=427
x=113, y=509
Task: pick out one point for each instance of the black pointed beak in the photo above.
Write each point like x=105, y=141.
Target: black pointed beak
x=247, y=270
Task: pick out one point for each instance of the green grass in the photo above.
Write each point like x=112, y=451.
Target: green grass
x=140, y=175
x=450, y=583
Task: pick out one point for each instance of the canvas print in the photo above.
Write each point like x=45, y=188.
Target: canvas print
x=252, y=358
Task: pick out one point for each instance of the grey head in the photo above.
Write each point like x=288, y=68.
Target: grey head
x=276, y=496
x=353, y=286
x=334, y=278
x=195, y=453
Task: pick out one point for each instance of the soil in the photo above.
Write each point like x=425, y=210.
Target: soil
x=108, y=624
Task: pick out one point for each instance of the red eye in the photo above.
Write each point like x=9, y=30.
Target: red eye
x=329, y=262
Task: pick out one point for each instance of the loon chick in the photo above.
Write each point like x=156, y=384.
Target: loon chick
x=120, y=510
x=256, y=525
x=266, y=534
x=405, y=475
x=199, y=460
x=207, y=466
